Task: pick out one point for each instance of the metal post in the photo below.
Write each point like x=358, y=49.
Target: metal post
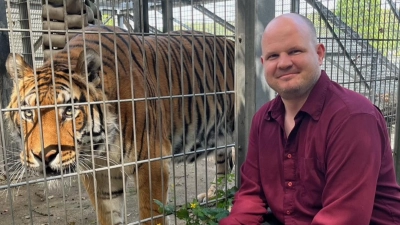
x=145, y=12
x=5, y=81
x=141, y=16
x=120, y=18
x=265, y=13
x=251, y=18
x=295, y=6
x=374, y=73
x=136, y=16
x=396, y=149
x=167, y=16
x=26, y=38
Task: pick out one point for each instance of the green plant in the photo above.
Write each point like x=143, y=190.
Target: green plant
x=210, y=213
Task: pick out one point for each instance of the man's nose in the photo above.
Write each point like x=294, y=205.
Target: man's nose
x=284, y=61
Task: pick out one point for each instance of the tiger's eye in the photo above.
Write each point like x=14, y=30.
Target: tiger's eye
x=68, y=111
x=28, y=114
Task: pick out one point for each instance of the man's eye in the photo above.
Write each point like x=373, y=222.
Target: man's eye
x=295, y=52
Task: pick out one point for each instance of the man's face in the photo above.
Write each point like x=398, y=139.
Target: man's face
x=291, y=59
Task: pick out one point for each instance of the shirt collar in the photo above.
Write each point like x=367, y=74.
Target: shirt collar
x=313, y=105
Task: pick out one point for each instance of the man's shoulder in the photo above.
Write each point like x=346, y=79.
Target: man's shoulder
x=349, y=100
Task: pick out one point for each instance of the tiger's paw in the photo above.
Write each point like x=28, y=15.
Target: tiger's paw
x=221, y=182
x=211, y=193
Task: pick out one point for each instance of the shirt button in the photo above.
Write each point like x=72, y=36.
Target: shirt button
x=290, y=184
x=289, y=156
x=288, y=212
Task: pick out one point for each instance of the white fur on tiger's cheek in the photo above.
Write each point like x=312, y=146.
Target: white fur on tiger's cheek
x=97, y=123
x=83, y=139
x=57, y=163
x=33, y=162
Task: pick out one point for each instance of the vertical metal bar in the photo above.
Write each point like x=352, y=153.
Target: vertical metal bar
x=141, y=16
x=327, y=16
x=242, y=18
x=374, y=77
x=145, y=16
x=214, y=17
x=265, y=13
x=396, y=150
x=395, y=11
x=5, y=81
x=167, y=16
x=295, y=6
x=26, y=38
x=120, y=19
x=246, y=55
x=136, y=16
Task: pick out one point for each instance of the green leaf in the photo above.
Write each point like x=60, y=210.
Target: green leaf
x=182, y=213
x=221, y=215
x=165, y=209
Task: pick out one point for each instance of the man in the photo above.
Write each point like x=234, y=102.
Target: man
x=318, y=153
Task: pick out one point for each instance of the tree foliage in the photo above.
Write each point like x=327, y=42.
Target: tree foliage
x=373, y=23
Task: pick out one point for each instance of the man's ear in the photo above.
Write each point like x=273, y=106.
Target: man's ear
x=92, y=66
x=17, y=67
x=321, y=52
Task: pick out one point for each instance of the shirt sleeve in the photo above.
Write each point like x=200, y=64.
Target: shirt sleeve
x=353, y=160
x=249, y=204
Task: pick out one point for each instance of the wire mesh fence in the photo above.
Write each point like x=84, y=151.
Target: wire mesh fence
x=361, y=40
x=87, y=135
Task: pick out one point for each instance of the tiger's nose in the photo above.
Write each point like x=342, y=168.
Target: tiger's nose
x=48, y=156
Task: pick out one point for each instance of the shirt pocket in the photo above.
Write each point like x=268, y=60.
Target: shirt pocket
x=311, y=181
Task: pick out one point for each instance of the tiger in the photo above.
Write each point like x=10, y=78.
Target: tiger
x=111, y=98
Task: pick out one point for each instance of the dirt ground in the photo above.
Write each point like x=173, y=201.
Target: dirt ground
x=68, y=204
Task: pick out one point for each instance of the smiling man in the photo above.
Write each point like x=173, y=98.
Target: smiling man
x=318, y=153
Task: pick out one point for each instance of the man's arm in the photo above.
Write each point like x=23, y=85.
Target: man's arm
x=249, y=204
x=353, y=160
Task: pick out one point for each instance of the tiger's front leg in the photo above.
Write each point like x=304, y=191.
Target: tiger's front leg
x=225, y=164
x=105, y=189
x=153, y=184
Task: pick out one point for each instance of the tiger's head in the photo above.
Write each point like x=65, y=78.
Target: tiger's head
x=59, y=113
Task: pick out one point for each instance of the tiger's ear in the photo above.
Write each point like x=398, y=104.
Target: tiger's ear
x=93, y=65
x=17, y=67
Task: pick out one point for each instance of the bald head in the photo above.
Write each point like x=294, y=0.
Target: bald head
x=300, y=21
x=291, y=56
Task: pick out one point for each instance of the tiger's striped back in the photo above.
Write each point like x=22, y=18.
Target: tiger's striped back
x=194, y=68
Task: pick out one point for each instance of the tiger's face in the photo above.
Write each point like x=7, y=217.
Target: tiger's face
x=51, y=114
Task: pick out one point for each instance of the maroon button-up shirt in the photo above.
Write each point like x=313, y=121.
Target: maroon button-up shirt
x=334, y=168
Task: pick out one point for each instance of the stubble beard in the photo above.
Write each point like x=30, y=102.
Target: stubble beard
x=298, y=90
